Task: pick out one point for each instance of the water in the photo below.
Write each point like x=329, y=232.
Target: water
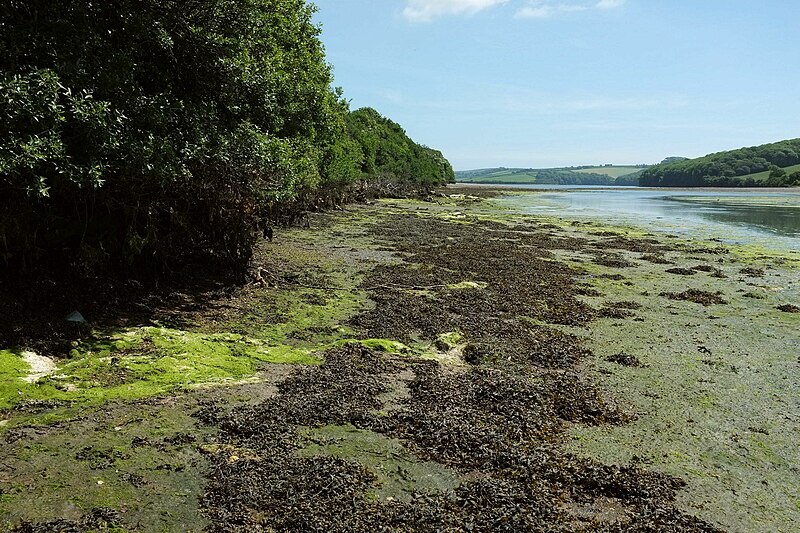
x=766, y=218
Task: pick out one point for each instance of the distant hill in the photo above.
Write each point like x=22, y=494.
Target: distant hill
x=585, y=175
x=768, y=165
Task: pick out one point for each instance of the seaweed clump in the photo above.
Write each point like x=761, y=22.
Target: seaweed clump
x=697, y=296
x=524, y=282
x=658, y=259
x=100, y=519
x=753, y=272
x=618, y=309
x=682, y=271
x=789, y=308
x=624, y=359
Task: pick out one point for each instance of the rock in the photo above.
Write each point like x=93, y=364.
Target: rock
x=76, y=317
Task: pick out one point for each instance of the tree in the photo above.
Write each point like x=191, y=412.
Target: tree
x=145, y=134
x=775, y=172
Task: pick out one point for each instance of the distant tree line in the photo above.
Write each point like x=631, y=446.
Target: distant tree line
x=630, y=180
x=567, y=177
x=142, y=135
x=730, y=169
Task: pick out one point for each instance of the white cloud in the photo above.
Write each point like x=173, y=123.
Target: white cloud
x=427, y=10
x=547, y=8
x=609, y=4
x=536, y=12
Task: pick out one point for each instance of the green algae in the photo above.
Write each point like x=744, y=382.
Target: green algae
x=380, y=345
x=714, y=393
x=288, y=324
x=450, y=339
x=13, y=369
x=400, y=474
x=140, y=459
x=142, y=362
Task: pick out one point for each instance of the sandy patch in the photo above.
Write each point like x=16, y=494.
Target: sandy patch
x=40, y=366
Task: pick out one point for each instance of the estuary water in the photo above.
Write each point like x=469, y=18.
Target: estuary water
x=767, y=218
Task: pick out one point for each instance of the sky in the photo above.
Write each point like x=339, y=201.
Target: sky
x=547, y=83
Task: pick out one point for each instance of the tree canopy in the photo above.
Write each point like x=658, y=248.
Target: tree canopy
x=144, y=134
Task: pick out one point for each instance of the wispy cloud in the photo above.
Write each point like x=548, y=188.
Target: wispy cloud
x=609, y=4
x=427, y=10
x=547, y=8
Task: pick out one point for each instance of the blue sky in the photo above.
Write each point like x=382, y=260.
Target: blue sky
x=537, y=83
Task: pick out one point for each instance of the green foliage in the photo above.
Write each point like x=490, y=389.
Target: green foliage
x=673, y=159
x=43, y=119
x=144, y=134
x=728, y=169
x=388, y=151
x=631, y=179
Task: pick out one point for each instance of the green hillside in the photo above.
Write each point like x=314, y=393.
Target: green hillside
x=768, y=165
x=551, y=176
x=613, y=171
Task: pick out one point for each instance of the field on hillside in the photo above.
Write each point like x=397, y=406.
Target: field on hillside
x=502, y=176
x=761, y=176
x=614, y=171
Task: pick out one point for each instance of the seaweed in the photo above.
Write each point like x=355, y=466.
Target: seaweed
x=698, y=296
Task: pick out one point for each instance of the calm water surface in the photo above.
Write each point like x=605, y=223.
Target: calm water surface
x=766, y=218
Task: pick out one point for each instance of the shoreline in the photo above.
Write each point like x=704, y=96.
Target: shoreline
x=544, y=187
x=538, y=308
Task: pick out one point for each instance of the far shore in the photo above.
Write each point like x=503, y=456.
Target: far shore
x=567, y=188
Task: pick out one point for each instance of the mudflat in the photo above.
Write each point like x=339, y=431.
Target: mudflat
x=425, y=366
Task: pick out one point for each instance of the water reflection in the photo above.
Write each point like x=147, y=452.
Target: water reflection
x=766, y=218
x=778, y=220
